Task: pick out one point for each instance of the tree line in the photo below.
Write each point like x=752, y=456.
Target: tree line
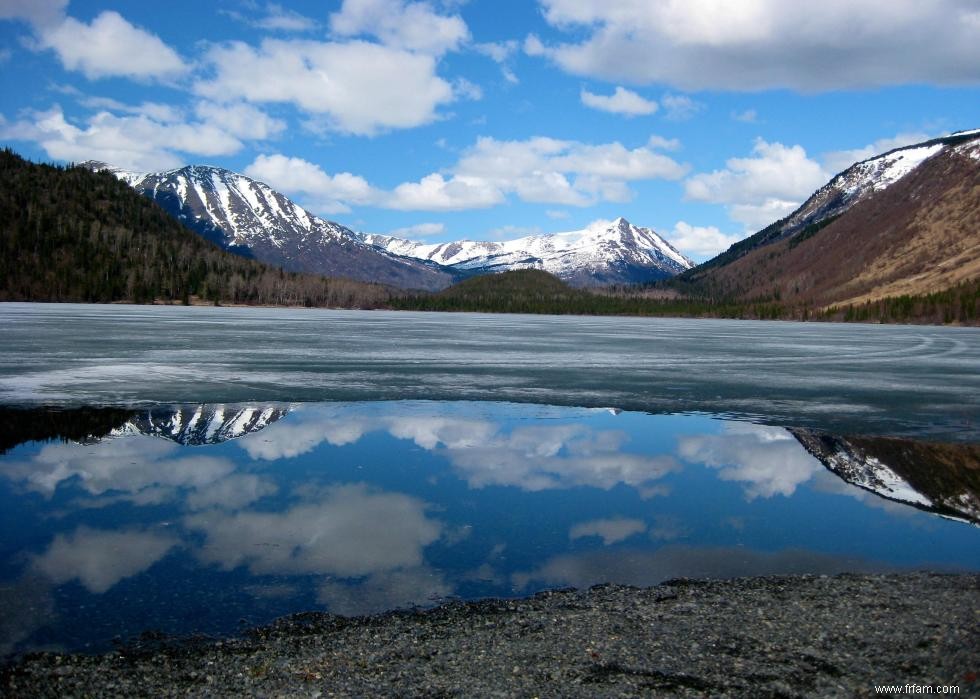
x=70, y=234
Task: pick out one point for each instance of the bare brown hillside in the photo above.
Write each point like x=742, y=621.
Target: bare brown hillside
x=920, y=235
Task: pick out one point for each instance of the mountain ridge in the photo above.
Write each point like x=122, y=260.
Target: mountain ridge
x=604, y=253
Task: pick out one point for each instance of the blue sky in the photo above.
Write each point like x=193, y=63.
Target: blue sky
x=492, y=119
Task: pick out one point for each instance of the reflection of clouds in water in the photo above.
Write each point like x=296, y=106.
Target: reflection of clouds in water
x=393, y=589
x=100, y=559
x=139, y=470
x=286, y=440
x=232, y=493
x=533, y=458
x=350, y=531
x=610, y=531
x=544, y=457
x=768, y=459
x=643, y=568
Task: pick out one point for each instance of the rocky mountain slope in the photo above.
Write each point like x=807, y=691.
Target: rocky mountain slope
x=905, y=222
x=196, y=425
x=616, y=252
x=940, y=478
x=250, y=218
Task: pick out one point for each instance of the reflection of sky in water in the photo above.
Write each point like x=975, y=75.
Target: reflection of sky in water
x=362, y=507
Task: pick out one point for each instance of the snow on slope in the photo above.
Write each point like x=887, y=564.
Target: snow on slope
x=603, y=251
x=873, y=175
x=202, y=424
x=249, y=217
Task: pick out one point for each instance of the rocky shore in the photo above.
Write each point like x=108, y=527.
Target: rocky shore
x=761, y=637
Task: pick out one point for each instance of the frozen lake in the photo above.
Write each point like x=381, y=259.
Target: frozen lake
x=899, y=380
x=199, y=470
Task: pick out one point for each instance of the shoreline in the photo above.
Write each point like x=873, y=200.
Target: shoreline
x=764, y=636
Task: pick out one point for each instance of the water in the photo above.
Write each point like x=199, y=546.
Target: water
x=359, y=462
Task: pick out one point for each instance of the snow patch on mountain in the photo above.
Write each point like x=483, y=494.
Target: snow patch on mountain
x=195, y=425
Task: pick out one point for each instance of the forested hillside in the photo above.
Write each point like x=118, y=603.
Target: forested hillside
x=70, y=234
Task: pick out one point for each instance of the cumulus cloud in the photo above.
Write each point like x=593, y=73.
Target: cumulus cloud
x=700, y=241
x=129, y=465
x=99, y=559
x=347, y=530
x=240, y=120
x=611, y=531
x=415, y=26
x=705, y=44
x=768, y=460
x=622, y=101
x=357, y=87
x=133, y=141
x=298, y=176
x=110, y=46
x=762, y=188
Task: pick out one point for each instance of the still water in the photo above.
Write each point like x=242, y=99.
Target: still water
x=205, y=470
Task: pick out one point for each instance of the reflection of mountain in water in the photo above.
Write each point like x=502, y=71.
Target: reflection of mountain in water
x=192, y=425
x=940, y=478
x=195, y=425
x=19, y=425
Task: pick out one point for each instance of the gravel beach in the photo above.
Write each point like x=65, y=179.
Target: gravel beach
x=758, y=637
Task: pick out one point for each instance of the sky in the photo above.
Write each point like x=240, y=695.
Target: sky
x=439, y=120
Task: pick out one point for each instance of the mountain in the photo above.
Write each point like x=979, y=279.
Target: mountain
x=903, y=223
x=196, y=425
x=602, y=254
x=251, y=219
x=74, y=235
x=939, y=478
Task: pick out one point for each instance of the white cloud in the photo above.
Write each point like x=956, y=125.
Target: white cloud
x=404, y=25
x=763, y=44
x=298, y=176
x=419, y=230
x=611, y=531
x=769, y=460
x=760, y=189
x=136, y=142
x=356, y=87
x=240, y=120
x=557, y=214
x=838, y=161
x=700, y=241
x=100, y=559
x=622, y=101
x=540, y=170
x=110, y=46
x=347, y=530
x=436, y=193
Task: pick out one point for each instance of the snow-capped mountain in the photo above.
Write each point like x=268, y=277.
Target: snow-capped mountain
x=937, y=478
x=250, y=218
x=901, y=223
x=614, y=252
x=860, y=181
x=195, y=425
